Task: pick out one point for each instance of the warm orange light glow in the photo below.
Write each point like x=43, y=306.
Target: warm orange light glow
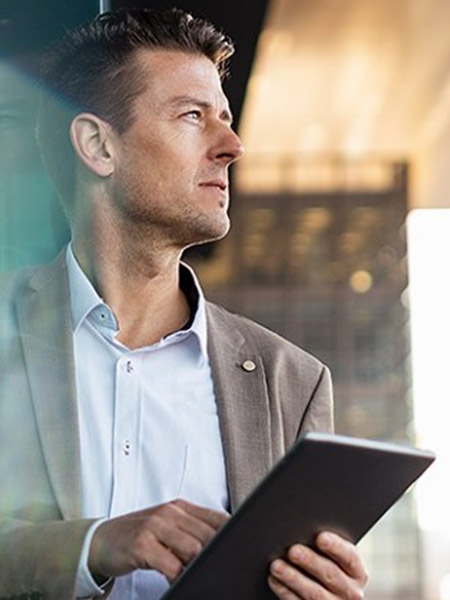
x=361, y=282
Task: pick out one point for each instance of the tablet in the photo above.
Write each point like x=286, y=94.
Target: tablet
x=326, y=482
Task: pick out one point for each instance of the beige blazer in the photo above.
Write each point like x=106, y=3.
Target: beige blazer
x=262, y=411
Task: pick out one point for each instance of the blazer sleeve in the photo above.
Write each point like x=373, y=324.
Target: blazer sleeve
x=40, y=560
x=39, y=550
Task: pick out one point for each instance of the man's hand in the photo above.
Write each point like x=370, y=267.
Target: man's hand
x=164, y=538
x=336, y=572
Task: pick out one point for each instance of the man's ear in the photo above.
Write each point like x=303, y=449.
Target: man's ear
x=92, y=140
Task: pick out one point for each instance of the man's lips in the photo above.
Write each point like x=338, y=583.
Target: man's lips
x=215, y=183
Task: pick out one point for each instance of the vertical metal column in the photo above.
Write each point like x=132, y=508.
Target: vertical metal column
x=105, y=5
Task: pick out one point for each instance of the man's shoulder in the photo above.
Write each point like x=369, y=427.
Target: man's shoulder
x=19, y=286
x=259, y=337
x=14, y=283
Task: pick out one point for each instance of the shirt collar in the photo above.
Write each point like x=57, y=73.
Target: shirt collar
x=198, y=325
x=83, y=296
x=84, y=299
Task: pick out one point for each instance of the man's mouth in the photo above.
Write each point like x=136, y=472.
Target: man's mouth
x=215, y=183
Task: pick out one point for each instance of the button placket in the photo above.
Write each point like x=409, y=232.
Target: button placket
x=126, y=432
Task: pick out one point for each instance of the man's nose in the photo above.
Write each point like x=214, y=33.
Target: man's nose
x=228, y=147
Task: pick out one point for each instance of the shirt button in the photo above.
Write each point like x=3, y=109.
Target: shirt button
x=130, y=367
x=126, y=448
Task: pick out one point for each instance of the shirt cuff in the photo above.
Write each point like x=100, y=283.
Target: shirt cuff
x=86, y=587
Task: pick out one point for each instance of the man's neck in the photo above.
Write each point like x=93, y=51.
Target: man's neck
x=140, y=286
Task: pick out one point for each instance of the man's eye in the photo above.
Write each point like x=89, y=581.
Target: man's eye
x=193, y=115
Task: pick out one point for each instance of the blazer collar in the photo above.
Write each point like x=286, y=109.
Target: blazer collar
x=243, y=403
x=45, y=326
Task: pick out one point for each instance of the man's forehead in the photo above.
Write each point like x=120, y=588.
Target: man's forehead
x=157, y=55
x=175, y=74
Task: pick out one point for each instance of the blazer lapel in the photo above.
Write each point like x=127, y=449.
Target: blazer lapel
x=45, y=328
x=243, y=404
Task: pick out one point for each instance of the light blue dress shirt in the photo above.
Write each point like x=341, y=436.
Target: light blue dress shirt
x=149, y=429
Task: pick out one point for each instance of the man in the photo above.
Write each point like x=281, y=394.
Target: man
x=143, y=413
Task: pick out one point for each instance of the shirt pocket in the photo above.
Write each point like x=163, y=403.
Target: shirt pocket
x=203, y=480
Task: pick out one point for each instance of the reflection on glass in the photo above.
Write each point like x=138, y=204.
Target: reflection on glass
x=32, y=225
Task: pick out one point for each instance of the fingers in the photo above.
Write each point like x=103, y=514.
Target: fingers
x=183, y=534
x=172, y=513
x=344, y=554
x=165, y=538
x=149, y=553
x=288, y=583
x=206, y=520
x=335, y=572
x=213, y=518
x=180, y=543
x=184, y=527
x=280, y=590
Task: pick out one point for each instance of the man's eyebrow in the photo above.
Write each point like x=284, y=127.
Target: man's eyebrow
x=226, y=114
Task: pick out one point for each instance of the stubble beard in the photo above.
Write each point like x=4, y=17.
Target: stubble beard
x=183, y=230
x=203, y=230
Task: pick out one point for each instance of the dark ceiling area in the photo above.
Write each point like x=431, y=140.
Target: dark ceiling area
x=28, y=26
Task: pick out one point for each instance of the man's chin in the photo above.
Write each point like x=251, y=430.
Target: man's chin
x=209, y=232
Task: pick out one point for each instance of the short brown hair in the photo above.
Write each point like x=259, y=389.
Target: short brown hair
x=92, y=70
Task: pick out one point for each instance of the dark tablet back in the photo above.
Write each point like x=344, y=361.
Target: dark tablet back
x=326, y=482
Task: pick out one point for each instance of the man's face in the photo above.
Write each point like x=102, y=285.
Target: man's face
x=172, y=162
